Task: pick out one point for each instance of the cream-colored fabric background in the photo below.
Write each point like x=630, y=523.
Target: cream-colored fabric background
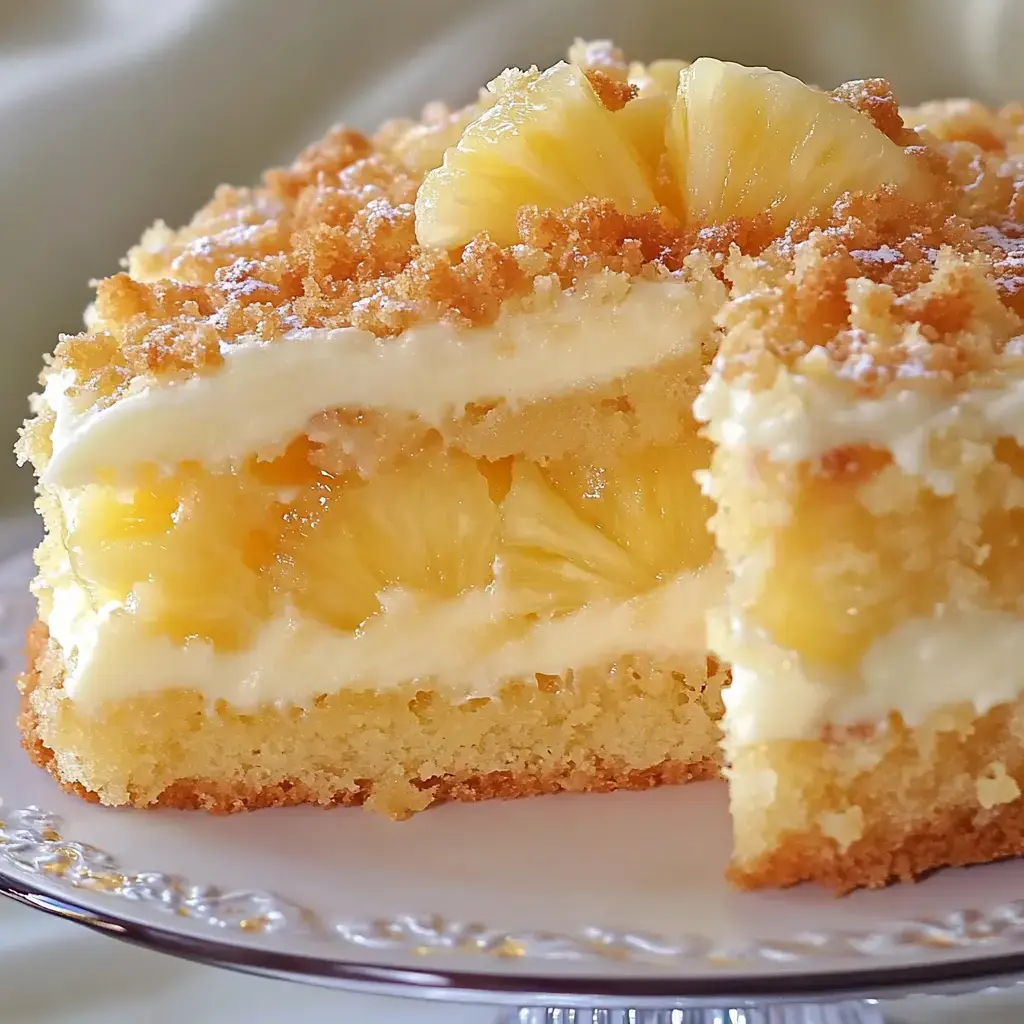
x=116, y=112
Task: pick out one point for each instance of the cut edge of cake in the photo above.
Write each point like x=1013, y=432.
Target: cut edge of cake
x=869, y=509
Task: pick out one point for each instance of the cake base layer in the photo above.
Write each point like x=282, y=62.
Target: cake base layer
x=864, y=808
x=630, y=725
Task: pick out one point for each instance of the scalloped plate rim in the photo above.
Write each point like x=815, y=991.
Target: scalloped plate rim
x=957, y=977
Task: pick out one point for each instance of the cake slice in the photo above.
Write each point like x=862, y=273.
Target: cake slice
x=867, y=407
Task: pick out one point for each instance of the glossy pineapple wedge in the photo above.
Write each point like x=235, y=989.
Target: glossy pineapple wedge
x=548, y=141
x=190, y=551
x=582, y=529
x=746, y=141
x=428, y=526
x=710, y=141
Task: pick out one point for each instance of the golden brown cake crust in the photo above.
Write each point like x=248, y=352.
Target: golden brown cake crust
x=192, y=795
x=952, y=838
x=220, y=798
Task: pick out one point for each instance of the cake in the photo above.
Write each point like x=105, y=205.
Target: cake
x=415, y=472
x=867, y=406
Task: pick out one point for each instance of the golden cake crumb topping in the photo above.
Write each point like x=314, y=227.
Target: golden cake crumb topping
x=331, y=241
x=888, y=293
x=882, y=296
x=613, y=93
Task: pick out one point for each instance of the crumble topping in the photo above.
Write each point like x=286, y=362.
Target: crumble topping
x=612, y=92
x=330, y=242
x=874, y=98
x=883, y=295
x=889, y=294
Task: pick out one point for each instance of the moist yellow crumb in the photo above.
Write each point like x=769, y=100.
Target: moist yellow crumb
x=996, y=787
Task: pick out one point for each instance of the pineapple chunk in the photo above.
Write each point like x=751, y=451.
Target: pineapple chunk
x=648, y=503
x=118, y=535
x=185, y=552
x=551, y=558
x=428, y=526
x=842, y=575
x=548, y=142
x=659, y=78
x=745, y=141
x=421, y=146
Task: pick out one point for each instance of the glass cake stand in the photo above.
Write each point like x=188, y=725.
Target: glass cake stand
x=601, y=909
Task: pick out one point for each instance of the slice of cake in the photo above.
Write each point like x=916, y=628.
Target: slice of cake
x=378, y=482
x=867, y=406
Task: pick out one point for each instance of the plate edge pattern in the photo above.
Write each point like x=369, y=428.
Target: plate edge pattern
x=33, y=846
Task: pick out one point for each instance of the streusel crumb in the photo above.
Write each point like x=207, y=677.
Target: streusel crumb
x=330, y=242
x=612, y=92
x=874, y=98
x=884, y=293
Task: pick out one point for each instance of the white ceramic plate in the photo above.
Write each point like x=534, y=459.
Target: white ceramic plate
x=613, y=899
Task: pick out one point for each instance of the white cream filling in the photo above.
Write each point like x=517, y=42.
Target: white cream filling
x=265, y=393
x=468, y=647
x=801, y=418
x=973, y=657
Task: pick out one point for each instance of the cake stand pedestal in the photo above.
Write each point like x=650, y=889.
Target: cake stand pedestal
x=800, y=1013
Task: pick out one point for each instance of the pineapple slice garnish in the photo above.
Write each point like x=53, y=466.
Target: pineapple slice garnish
x=711, y=141
x=551, y=559
x=548, y=141
x=745, y=141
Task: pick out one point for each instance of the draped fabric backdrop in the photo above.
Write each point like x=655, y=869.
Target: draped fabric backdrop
x=114, y=113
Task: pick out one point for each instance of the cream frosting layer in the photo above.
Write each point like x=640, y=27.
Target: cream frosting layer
x=468, y=646
x=801, y=418
x=264, y=393
x=921, y=666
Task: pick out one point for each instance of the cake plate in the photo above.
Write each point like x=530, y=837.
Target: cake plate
x=563, y=909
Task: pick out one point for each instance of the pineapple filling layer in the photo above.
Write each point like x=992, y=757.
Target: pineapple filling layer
x=866, y=547
x=551, y=343
x=860, y=591
x=477, y=555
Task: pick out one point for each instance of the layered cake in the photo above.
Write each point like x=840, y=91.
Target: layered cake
x=415, y=472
